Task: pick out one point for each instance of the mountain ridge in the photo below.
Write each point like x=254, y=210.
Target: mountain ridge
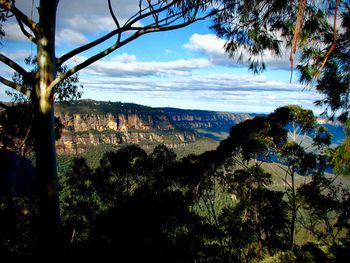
x=88, y=123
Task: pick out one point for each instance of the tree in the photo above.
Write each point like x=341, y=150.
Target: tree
x=333, y=81
x=257, y=221
x=80, y=202
x=341, y=156
x=155, y=16
x=16, y=133
x=281, y=137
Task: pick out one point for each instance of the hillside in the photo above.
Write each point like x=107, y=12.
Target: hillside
x=210, y=124
x=89, y=123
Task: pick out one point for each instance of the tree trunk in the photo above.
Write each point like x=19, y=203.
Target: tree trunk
x=49, y=215
x=294, y=212
x=45, y=150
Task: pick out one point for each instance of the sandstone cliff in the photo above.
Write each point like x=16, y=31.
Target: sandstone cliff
x=89, y=123
x=198, y=119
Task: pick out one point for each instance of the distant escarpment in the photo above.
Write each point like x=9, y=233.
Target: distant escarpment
x=89, y=123
x=200, y=119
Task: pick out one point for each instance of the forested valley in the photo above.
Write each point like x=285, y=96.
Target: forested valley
x=223, y=205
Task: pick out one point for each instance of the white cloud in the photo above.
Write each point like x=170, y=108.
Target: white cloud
x=83, y=16
x=18, y=55
x=213, y=48
x=91, y=23
x=127, y=65
x=165, y=83
x=225, y=92
x=13, y=32
x=70, y=37
x=93, y=16
x=210, y=44
x=124, y=58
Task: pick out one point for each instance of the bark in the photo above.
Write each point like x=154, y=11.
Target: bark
x=48, y=242
x=294, y=212
x=49, y=215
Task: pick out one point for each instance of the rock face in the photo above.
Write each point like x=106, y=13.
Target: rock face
x=89, y=123
x=123, y=125
x=82, y=130
x=197, y=119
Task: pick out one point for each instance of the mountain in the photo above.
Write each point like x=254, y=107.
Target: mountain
x=89, y=123
x=211, y=124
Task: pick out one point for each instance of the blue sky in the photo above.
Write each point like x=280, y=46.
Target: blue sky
x=187, y=68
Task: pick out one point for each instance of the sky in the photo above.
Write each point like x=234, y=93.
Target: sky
x=186, y=68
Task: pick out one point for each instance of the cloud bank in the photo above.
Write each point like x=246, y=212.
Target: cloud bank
x=212, y=47
x=223, y=92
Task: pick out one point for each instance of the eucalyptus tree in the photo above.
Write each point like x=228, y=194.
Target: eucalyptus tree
x=152, y=16
x=273, y=26
x=279, y=137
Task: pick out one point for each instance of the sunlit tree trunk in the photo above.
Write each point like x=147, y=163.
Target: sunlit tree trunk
x=43, y=102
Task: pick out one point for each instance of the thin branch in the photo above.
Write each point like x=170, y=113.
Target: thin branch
x=142, y=16
x=127, y=27
x=297, y=29
x=114, y=19
x=158, y=24
x=286, y=182
x=15, y=67
x=330, y=51
x=15, y=86
x=154, y=13
x=25, y=32
x=8, y=6
x=137, y=14
x=88, y=46
x=114, y=47
x=3, y=105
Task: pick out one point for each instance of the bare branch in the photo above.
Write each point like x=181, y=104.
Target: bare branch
x=297, y=29
x=115, y=20
x=15, y=67
x=3, y=105
x=147, y=14
x=154, y=13
x=25, y=32
x=137, y=14
x=137, y=17
x=139, y=32
x=334, y=37
x=8, y=6
x=15, y=86
x=88, y=46
x=93, y=59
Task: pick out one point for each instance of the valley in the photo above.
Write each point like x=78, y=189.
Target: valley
x=89, y=123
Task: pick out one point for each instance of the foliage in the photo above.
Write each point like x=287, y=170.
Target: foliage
x=258, y=219
x=43, y=86
x=17, y=229
x=333, y=81
x=253, y=28
x=195, y=209
x=267, y=138
x=132, y=206
x=68, y=90
x=341, y=156
x=79, y=201
x=105, y=206
x=18, y=135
